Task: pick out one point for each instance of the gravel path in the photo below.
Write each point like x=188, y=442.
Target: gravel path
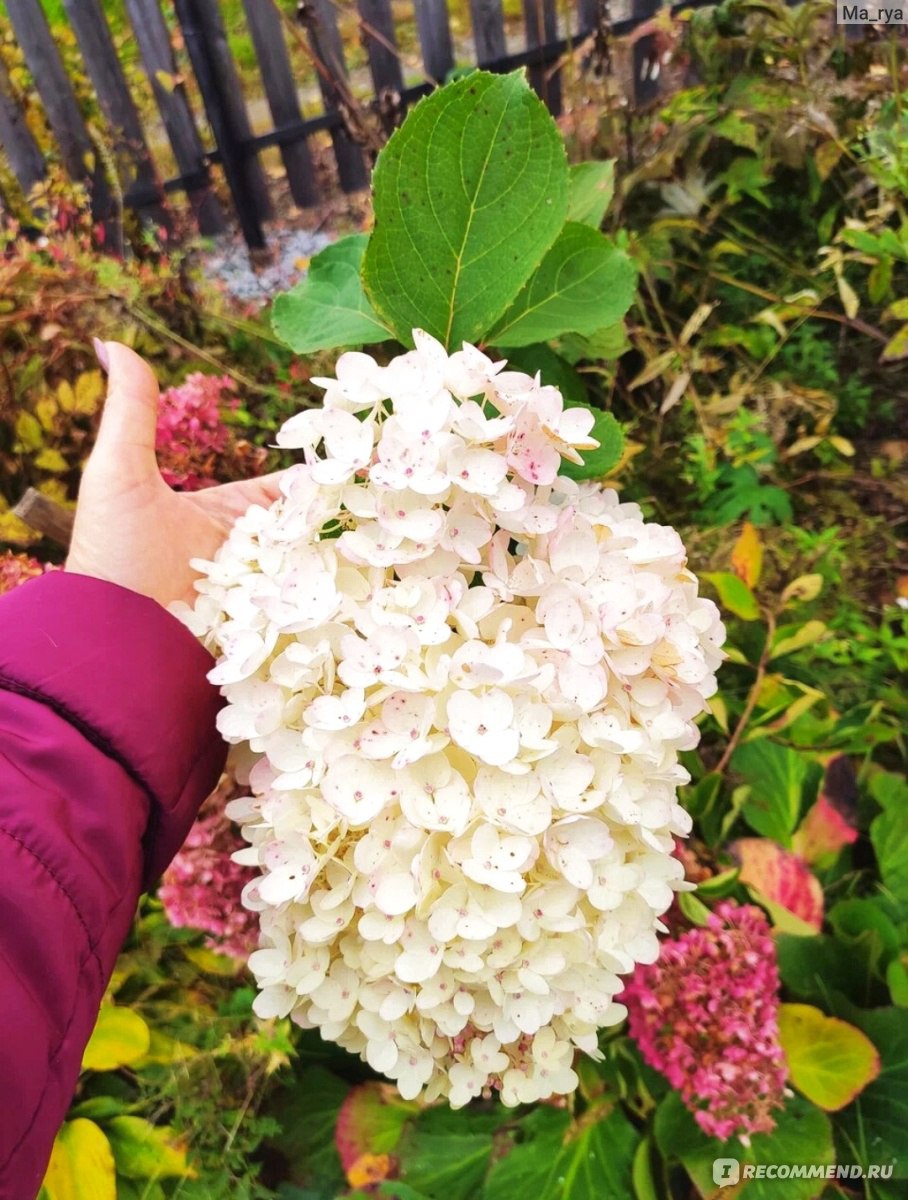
x=226, y=262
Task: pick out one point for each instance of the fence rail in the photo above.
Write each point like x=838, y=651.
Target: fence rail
x=356, y=125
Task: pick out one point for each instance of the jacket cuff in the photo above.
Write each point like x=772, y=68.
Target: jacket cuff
x=125, y=672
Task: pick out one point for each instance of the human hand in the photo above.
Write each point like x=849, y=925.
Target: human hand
x=130, y=527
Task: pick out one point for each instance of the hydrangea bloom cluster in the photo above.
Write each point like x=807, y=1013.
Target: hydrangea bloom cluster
x=706, y=1016
x=202, y=888
x=191, y=430
x=466, y=680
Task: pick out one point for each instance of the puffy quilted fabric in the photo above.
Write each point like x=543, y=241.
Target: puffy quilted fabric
x=107, y=749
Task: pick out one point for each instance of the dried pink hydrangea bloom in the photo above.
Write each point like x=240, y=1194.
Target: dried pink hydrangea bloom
x=202, y=886
x=18, y=568
x=706, y=1016
x=191, y=430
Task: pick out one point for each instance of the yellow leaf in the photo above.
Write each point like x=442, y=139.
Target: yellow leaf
x=897, y=346
x=802, y=445
x=809, y=633
x=46, y=411
x=29, y=431
x=66, y=397
x=15, y=531
x=848, y=296
x=51, y=460
x=843, y=446
x=829, y=1060
x=167, y=81
x=747, y=556
x=653, y=369
x=81, y=1164
x=89, y=391
x=55, y=489
x=368, y=1169
x=696, y=322
x=120, y=1037
x=827, y=155
x=719, y=710
x=804, y=588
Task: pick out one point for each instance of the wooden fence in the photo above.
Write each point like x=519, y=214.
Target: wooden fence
x=354, y=123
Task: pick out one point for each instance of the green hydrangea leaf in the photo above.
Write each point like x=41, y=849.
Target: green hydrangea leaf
x=591, y=191
x=469, y=194
x=583, y=284
x=329, y=307
x=597, y=463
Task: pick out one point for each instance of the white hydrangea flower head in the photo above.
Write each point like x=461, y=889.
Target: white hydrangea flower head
x=464, y=680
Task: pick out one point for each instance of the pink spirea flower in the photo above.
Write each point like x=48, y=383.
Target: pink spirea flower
x=706, y=1016
x=18, y=568
x=191, y=430
x=202, y=886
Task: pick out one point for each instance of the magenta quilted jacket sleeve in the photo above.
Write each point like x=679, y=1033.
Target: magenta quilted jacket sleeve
x=107, y=749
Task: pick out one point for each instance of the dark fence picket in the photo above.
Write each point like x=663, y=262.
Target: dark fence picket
x=328, y=49
x=588, y=14
x=434, y=38
x=153, y=39
x=77, y=151
x=541, y=21
x=645, y=54
x=236, y=148
x=22, y=150
x=130, y=149
x=380, y=42
x=267, y=30
x=487, y=18
x=212, y=62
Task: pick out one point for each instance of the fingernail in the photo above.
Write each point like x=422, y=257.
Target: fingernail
x=102, y=355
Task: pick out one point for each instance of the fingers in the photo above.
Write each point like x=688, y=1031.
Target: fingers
x=129, y=422
x=232, y=499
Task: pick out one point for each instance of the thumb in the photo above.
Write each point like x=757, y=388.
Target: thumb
x=129, y=421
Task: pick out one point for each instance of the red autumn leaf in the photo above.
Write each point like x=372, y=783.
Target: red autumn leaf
x=828, y=826
x=781, y=877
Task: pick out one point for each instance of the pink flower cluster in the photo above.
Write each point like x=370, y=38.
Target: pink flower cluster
x=18, y=568
x=202, y=886
x=191, y=430
x=706, y=1016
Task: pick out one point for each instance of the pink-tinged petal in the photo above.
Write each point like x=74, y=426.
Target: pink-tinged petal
x=782, y=877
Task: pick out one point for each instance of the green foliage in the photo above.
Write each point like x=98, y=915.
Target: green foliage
x=329, y=308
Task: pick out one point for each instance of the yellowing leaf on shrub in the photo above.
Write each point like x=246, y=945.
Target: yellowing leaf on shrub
x=809, y=633
x=146, y=1151
x=735, y=595
x=369, y=1169
x=29, y=431
x=780, y=877
x=84, y=397
x=14, y=530
x=747, y=556
x=51, y=460
x=804, y=588
x=120, y=1037
x=829, y=1061
x=81, y=1164
x=90, y=388
x=46, y=411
